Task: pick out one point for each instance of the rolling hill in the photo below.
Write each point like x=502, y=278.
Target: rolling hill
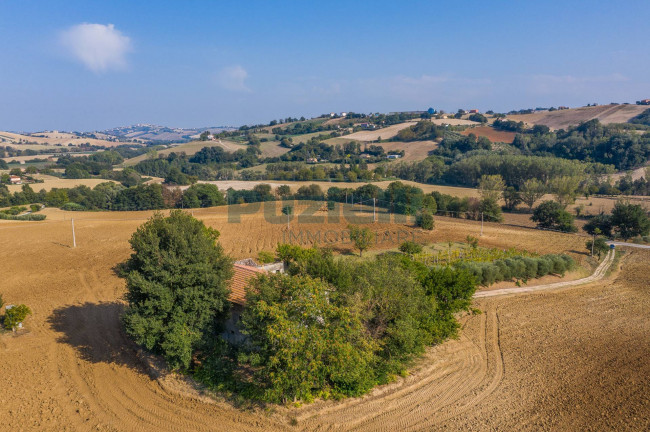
x=561, y=119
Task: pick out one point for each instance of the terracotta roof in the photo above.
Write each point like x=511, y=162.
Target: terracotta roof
x=240, y=280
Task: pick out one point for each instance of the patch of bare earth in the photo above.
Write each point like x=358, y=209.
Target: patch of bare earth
x=490, y=133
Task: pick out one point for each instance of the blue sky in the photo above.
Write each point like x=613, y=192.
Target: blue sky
x=89, y=65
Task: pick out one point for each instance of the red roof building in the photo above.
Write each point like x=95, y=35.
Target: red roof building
x=240, y=280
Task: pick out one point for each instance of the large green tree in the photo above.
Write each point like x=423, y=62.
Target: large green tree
x=630, y=220
x=176, y=286
x=301, y=343
x=551, y=215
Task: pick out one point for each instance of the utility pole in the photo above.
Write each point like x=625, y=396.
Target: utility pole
x=481, y=224
x=74, y=239
x=374, y=214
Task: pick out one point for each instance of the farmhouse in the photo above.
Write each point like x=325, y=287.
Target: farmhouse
x=14, y=179
x=473, y=111
x=244, y=271
x=240, y=280
x=644, y=102
x=368, y=125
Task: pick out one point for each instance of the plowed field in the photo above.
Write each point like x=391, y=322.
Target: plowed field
x=572, y=359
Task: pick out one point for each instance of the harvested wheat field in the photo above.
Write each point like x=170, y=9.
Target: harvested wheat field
x=52, y=139
x=383, y=133
x=561, y=119
x=51, y=182
x=413, y=150
x=574, y=359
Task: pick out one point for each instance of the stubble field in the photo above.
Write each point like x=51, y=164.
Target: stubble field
x=565, y=360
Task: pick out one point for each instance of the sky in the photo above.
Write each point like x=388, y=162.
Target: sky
x=92, y=65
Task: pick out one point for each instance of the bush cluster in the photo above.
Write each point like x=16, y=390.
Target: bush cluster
x=27, y=217
x=333, y=328
x=519, y=268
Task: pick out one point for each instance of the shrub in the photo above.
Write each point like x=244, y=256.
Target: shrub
x=361, y=237
x=265, y=257
x=544, y=266
x=16, y=315
x=425, y=220
x=531, y=267
x=27, y=217
x=71, y=206
x=410, y=247
x=15, y=210
x=487, y=273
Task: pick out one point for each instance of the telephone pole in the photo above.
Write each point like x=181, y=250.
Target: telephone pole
x=74, y=239
x=374, y=213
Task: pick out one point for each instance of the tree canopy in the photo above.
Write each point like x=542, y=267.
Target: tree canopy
x=176, y=286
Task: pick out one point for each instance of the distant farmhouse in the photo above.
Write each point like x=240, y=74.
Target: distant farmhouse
x=643, y=102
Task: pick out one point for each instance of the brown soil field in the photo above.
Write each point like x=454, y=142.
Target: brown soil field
x=490, y=133
x=561, y=119
x=573, y=359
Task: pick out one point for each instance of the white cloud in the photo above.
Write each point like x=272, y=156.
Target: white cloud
x=99, y=47
x=233, y=78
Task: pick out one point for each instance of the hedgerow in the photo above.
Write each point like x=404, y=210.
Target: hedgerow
x=517, y=267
